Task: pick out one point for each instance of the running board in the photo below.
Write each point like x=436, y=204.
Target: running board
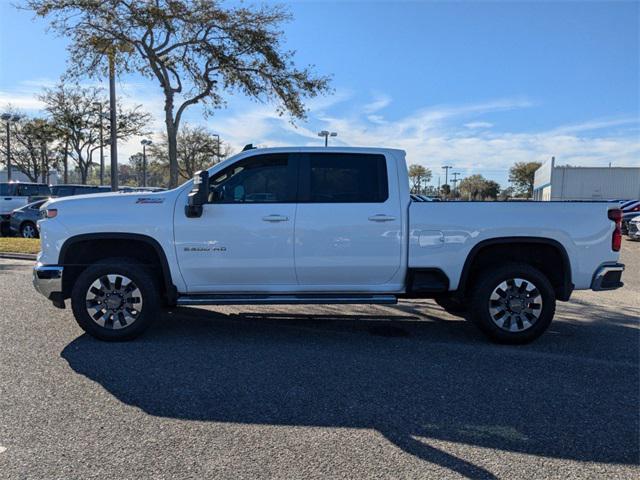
x=276, y=299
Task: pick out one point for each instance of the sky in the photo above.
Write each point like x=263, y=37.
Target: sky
x=474, y=85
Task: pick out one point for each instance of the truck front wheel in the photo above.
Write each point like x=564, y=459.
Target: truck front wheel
x=512, y=304
x=115, y=299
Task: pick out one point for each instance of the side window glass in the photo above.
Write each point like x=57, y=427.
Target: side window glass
x=347, y=178
x=259, y=179
x=4, y=189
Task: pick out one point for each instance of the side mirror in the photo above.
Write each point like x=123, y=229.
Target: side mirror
x=198, y=195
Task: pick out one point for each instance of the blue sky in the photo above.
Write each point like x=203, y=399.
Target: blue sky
x=477, y=85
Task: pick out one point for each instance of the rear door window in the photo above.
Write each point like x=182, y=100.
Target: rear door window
x=344, y=178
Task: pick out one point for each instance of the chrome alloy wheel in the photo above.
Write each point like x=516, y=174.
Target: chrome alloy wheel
x=515, y=305
x=114, y=301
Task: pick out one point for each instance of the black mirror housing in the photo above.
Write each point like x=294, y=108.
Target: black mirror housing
x=198, y=195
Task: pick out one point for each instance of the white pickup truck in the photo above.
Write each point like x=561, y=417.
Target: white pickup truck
x=319, y=225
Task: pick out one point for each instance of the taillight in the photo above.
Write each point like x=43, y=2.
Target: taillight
x=49, y=213
x=616, y=239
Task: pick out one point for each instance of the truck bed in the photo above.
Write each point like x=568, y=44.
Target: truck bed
x=443, y=233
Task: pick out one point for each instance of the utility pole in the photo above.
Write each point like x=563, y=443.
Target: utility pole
x=455, y=182
x=446, y=174
x=8, y=118
x=112, y=116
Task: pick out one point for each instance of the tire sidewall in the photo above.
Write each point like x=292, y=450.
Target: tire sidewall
x=487, y=282
x=143, y=280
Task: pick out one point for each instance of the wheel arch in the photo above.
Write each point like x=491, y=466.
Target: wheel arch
x=513, y=247
x=74, y=256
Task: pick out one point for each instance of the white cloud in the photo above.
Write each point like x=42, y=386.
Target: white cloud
x=477, y=125
x=379, y=102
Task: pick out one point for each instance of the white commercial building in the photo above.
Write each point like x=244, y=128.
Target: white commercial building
x=585, y=183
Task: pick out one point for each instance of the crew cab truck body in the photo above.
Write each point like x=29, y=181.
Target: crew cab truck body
x=319, y=225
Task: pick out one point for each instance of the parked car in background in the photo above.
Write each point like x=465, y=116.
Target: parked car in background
x=16, y=195
x=630, y=206
x=69, y=190
x=626, y=218
x=24, y=220
x=633, y=228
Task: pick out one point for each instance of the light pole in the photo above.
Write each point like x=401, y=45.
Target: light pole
x=217, y=144
x=8, y=118
x=326, y=134
x=144, y=160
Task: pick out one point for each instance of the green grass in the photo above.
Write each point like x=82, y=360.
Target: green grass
x=19, y=245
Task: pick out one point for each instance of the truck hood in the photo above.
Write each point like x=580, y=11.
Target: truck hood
x=111, y=199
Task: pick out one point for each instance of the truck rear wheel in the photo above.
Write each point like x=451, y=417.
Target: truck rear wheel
x=115, y=299
x=513, y=304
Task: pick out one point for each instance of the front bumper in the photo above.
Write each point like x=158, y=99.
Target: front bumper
x=608, y=277
x=47, y=280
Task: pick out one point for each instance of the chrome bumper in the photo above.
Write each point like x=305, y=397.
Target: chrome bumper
x=607, y=277
x=47, y=279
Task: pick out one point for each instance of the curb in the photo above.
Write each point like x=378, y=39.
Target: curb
x=18, y=256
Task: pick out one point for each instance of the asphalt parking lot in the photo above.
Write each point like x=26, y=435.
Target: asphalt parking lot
x=402, y=391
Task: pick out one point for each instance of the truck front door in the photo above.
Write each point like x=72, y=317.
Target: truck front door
x=243, y=242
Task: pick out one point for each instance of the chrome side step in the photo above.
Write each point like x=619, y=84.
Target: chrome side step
x=276, y=299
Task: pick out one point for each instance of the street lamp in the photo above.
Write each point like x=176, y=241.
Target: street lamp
x=217, y=144
x=8, y=118
x=326, y=134
x=144, y=160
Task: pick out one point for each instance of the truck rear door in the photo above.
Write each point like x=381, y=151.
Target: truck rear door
x=348, y=232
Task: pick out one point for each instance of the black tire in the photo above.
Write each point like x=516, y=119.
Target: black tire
x=113, y=329
x=485, y=285
x=27, y=227
x=452, y=306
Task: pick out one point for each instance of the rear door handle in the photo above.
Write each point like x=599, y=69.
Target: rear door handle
x=381, y=218
x=275, y=218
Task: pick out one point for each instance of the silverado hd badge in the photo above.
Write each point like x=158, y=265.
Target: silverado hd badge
x=150, y=200
x=205, y=249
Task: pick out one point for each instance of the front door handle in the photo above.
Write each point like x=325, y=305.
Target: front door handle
x=275, y=218
x=381, y=218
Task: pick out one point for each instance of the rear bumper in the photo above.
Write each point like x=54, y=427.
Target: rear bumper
x=608, y=277
x=47, y=280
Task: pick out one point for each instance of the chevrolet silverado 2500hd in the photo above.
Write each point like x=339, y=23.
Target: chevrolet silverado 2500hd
x=319, y=225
